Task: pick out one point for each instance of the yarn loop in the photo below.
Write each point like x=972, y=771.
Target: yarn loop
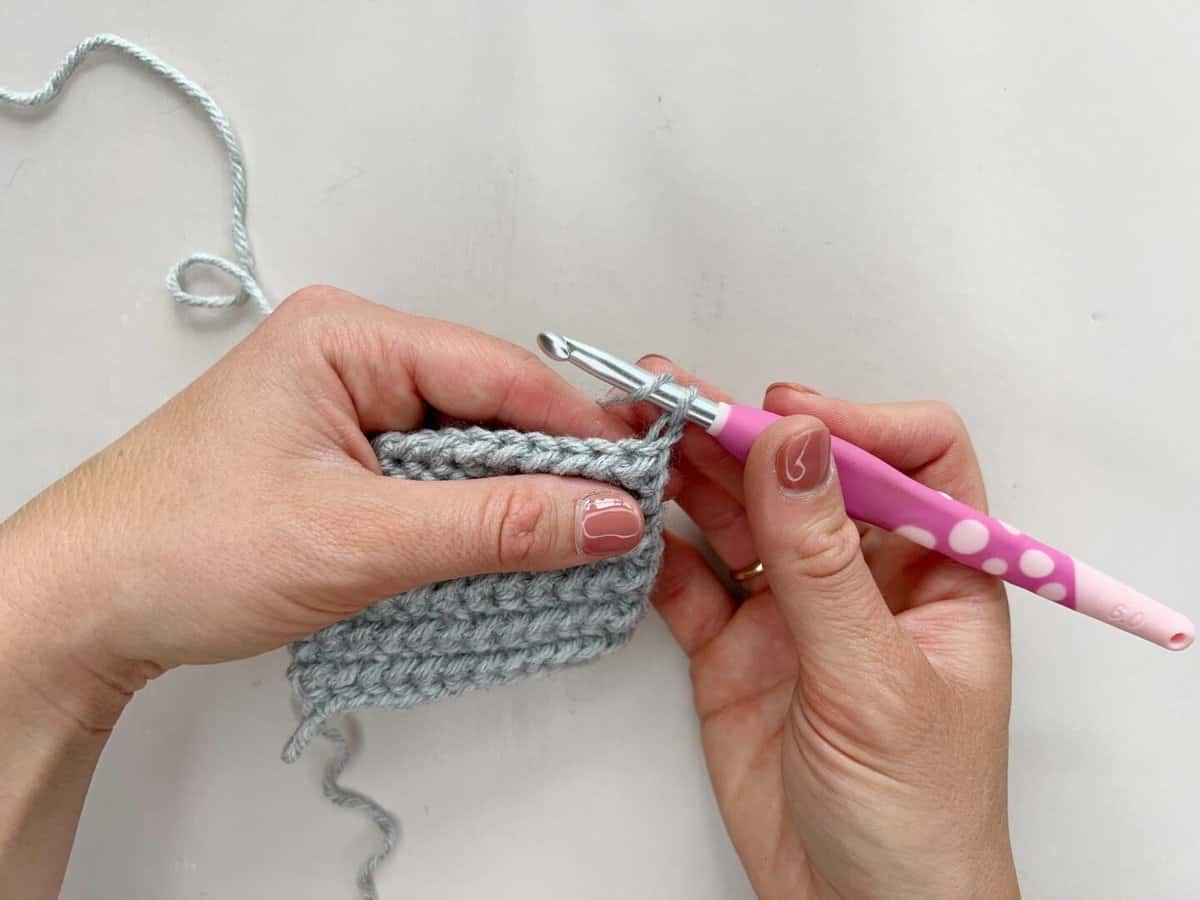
x=243, y=269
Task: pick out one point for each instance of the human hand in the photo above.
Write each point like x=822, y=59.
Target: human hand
x=250, y=510
x=854, y=707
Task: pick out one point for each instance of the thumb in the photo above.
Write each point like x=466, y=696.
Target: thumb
x=409, y=533
x=810, y=553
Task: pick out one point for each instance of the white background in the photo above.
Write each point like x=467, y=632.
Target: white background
x=995, y=204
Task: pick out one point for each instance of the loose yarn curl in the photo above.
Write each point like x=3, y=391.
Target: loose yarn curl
x=243, y=269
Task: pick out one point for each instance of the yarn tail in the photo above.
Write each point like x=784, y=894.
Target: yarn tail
x=243, y=269
x=350, y=799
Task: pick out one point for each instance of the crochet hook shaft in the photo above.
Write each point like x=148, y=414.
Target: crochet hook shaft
x=878, y=494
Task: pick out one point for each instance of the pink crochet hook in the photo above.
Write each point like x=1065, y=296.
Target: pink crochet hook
x=878, y=494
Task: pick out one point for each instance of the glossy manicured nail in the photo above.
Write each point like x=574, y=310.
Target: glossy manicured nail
x=792, y=386
x=657, y=356
x=607, y=524
x=802, y=462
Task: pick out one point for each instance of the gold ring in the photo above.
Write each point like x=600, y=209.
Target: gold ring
x=747, y=573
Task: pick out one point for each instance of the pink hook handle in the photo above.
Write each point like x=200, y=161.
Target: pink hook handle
x=878, y=494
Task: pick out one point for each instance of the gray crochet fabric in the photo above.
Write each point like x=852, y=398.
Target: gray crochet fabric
x=443, y=639
x=482, y=631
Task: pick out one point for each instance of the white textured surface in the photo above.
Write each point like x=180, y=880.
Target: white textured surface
x=997, y=204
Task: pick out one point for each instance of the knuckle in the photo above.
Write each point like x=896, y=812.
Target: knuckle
x=946, y=416
x=522, y=525
x=530, y=369
x=518, y=365
x=527, y=360
x=313, y=299
x=726, y=518
x=528, y=386
x=317, y=320
x=829, y=550
x=682, y=565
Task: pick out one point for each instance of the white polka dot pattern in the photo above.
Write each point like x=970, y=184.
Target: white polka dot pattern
x=881, y=495
x=917, y=535
x=995, y=566
x=1052, y=590
x=940, y=523
x=968, y=536
x=1036, y=564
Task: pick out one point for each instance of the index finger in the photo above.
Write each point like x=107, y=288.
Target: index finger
x=392, y=364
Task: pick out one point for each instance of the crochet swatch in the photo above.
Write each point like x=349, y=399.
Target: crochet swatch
x=486, y=630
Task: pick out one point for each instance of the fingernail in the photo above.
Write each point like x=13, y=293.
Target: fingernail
x=802, y=462
x=792, y=386
x=608, y=524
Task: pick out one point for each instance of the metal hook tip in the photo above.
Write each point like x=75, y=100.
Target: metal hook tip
x=554, y=345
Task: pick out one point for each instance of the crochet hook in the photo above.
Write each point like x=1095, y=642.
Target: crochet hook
x=878, y=494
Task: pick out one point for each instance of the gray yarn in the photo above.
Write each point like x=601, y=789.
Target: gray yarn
x=350, y=799
x=243, y=270
x=482, y=631
x=442, y=639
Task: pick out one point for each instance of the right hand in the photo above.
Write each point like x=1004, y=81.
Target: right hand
x=854, y=708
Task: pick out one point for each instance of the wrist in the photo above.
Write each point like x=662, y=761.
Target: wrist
x=996, y=877
x=983, y=872
x=50, y=686
x=53, y=659
x=56, y=714
x=932, y=868
x=986, y=874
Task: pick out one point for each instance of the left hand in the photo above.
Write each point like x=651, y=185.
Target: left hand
x=250, y=510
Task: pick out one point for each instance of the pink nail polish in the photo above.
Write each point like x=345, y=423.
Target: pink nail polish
x=802, y=462
x=607, y=524
x=792, y=386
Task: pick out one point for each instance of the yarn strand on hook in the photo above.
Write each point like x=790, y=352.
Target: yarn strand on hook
x=243, y=269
